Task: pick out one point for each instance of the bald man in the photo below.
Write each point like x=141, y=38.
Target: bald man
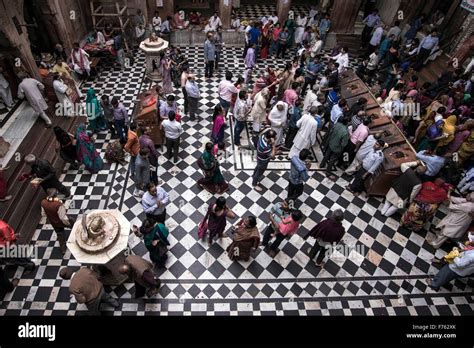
x=141, y=272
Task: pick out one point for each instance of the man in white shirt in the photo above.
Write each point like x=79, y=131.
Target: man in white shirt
x=307, y=129
x=364, y=149
x=80, y=61
x=242, y=109
x=215, y=22
x=342, y=59
x=274, y=18
x=317, y=46
x=156, y=23
x=193, y=95
x=338, y=110
x=370, y=164
x=376, y=38
x=226, y=89
x=173, y=131
x=310, y=98
x=100, y=38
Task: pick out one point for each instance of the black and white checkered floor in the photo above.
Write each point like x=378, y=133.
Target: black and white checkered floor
x=383, y=275
x=257, y=11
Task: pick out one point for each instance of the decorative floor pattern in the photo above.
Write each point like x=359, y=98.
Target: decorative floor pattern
x=257, y=11
x=384, y=274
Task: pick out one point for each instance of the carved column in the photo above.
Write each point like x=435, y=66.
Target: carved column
x=167, y=9
x=283, y=8
x=344, y=15
x=225, y=12
x=467, y=31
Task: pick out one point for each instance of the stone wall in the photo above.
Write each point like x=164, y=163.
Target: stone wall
x=185, y=37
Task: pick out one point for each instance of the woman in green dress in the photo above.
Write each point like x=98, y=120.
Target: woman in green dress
x=155, y=236
x=291, y=25
x=213, y=180
x=95, y=114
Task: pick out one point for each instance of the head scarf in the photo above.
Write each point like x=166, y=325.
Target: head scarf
x=449, y=128
x=244, y=233
x=277, y=114
x=93, y=108
x=450, y=125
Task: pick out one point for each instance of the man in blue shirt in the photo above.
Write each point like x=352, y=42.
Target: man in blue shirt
x=370, y=22
x=425, y=48
x=311, y=71
x=254, y=38
x=209, y=55
x=385, y=46
x=298, y=175
x=324, y=27
x=433, y=163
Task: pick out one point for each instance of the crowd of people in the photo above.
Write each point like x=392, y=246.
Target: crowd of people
x=289, y=112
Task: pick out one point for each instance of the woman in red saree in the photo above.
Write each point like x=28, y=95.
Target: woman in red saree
x=425, y=204
x=266, y=40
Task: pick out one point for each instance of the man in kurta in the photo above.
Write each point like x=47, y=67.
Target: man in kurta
x=259, y=109
x=31, y=89
x=278, y=117
x=455, y=224
x=308, y=128
x=300, y=27
x=80, y=61
x=404, y=189
x=64, y=102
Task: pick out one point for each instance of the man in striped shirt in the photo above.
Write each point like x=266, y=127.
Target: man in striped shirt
x=266, y=148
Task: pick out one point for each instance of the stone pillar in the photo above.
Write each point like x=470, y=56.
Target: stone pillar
x=344, y=15
x=63, y=26
x=225, y=12
x=283, y=7
x=409, y=9
x=167, y=9
x=21, y=42
x=466, y=33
